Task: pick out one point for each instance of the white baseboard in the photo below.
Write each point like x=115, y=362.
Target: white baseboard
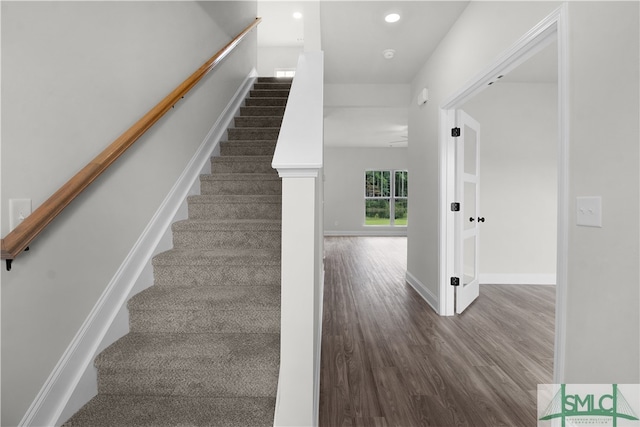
x=73, y=381
x=517, y=279
x=318, y=364
x=424, y=292
x=366, y=233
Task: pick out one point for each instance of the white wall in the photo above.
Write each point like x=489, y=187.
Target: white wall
x=344, y=170
x=603, y=314
x=518, y=181
x=271, y=58
x=75, y=75
x=602, y=324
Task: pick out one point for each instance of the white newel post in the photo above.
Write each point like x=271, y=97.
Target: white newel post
x=298, y=159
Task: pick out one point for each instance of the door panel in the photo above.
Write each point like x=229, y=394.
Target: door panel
x=467, y=226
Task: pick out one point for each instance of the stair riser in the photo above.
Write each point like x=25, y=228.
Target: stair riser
x=189, y=275
x=262, y=111
x=253, y=134
x=240, y=187
x=235, y=210
x=265, y=102
x=231, y=149
x=272, y=86
x=222, y=165
x=204, y=239
x=199, y=321
x=269, y=93
x=194, y=382
x=258, y=122
x=264, y=79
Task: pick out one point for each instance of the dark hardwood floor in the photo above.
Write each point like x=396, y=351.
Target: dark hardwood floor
x=389, y=360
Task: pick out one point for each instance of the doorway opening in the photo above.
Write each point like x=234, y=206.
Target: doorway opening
x=552, y=30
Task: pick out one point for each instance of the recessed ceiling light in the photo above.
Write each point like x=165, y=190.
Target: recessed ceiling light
x=388, y=53
x=392, y=17
x=297, y=15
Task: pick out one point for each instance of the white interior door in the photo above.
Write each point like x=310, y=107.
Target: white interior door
x=468, y=218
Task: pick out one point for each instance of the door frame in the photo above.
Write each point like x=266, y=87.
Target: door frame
x=554, y=28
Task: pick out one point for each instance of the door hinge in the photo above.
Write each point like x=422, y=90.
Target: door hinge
x=455, y=132
x=455, y=207
x=455, y=281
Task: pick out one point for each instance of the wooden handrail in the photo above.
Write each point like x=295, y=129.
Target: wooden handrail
x=20, y=237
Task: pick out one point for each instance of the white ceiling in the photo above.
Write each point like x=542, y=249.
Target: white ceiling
x=278, y=27
x=353, y=36
x=354, y=33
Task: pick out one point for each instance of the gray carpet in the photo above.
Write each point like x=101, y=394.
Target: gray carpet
x=204, y=346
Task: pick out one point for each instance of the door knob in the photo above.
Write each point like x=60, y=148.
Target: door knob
x=472, y=219
x=481, y=219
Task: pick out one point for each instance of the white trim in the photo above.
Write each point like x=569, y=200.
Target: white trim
x=297, y=171
x=517, y=279
x=554, y=25
x=75, y=368
x=367, y=233
x=563, y=196
x=298, y=159
x=422, y=290
x=318, y=365
x=299, y=144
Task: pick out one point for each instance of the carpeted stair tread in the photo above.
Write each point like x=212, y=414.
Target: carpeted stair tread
x=265, y=79
x=227, y=233
x=235, y=207
x=242, y=159
x=218, y=257
x=240, y=184
x=190, y=364
x=205, y=320
x=230, y=199
x=256, y=133
x=265, y=102
x=256, y=111
x=248, y=147
x=227, y=224
x=242, y=164
x=171, y=351
x=226, y=176
x=164, y=411
x=252, y=142
x=272, y=85
x=218, y=298
x=258, y=121
x=176, y=320
x=269, y=93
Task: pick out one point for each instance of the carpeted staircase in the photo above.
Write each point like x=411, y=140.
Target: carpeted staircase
x=203, y=347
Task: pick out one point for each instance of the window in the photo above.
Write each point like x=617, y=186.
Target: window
x=385, y=197
x=285, y=72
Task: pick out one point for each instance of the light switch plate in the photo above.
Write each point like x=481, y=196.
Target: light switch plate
x=589, y=211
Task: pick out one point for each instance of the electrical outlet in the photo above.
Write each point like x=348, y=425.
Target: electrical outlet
x=19, y=209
